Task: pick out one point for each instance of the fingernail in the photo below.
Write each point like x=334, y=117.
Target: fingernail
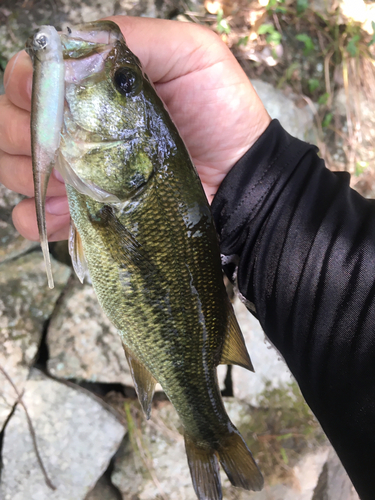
x=57, y=205
x=57, y=175
x=29, y=87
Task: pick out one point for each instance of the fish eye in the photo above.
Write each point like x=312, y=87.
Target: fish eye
x=128, y=82
x=40, y=41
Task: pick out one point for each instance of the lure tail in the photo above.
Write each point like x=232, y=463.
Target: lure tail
x=236, y=460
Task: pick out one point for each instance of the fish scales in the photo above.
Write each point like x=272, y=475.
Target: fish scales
x=142, y=227
x=167, y=334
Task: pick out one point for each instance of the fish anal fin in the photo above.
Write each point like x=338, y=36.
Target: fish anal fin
x=234, y=350
x=204, y=470
x=76, y=252
x=144, y=382
x=239, y=464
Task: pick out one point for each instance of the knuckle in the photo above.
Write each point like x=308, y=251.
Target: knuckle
x=14, y=129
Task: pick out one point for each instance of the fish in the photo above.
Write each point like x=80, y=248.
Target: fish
x=142, y=230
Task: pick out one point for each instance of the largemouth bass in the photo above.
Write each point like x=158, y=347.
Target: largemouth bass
x=142, y=229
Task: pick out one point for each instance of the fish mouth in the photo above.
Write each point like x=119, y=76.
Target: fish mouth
x=86, y=47
x=96, y=33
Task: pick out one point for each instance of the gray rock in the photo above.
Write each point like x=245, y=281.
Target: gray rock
x=297, y=121
x=76, y=434
x=103, y=490
x=25, y=304
x=83, y=344
x=270, y=369
x=151, y=462
x=334, y=482
x=12, y=244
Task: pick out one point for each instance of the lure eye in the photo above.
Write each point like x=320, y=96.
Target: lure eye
x=40, y=41
x=128, y=82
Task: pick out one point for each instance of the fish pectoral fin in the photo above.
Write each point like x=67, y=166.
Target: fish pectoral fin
x=122, y=245
x=238, y=463
x=204, y=470
x=76, y=252
x=234, y=349
x=144, y=382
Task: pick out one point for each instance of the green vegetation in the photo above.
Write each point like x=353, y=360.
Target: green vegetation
x=280, y=431
x=315, y=54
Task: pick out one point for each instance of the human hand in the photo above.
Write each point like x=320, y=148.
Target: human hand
x=209, y=97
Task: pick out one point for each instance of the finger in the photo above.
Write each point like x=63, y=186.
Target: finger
x=14, y=128
x=16, y=174
x=61, y=234
x=170, y=49
x=18, y=80
x=24, y=219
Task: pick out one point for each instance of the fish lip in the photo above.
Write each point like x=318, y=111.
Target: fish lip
x=95, y=26
x=101, y=34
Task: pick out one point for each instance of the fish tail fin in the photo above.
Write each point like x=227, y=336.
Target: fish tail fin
x=204, y=470
x=239, y=464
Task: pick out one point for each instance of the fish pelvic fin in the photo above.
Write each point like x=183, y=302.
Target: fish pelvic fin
x=144, y=382
x=234, y=350
x=76, y=252
x=239, y=464
x=204, y=470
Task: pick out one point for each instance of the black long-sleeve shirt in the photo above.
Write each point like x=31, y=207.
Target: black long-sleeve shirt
x=304, y=244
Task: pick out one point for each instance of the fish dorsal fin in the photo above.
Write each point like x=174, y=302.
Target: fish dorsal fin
x=76, y=252
x=234, y=349
x=204, y=470
x=144, y=382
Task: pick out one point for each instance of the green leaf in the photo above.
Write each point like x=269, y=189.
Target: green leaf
x=323, y=98
x=284, y=455
x=313, y=84
x=243, y=40
x=222, y=25
x=275, y=3
x=302, y=5
x=373, y=36
x=352, y=46
x=266, y=28
x=309, y=44
x=360, y=167
x=274, y=38
x=327, y=120
x=284, y=436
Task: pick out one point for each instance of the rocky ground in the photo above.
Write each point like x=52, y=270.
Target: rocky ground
x=71, y=428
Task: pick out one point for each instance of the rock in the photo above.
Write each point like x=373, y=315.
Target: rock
x=334, y=482
x=12, y=244
x=103, y=490
x=297, y=121
x=83, y=344
x=270, y=370
x=26, y=303
x=77, y=435
x=151, y=463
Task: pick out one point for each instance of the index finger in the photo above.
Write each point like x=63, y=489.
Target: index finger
x=18, y=80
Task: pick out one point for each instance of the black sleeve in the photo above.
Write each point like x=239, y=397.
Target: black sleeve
x=303, y=244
